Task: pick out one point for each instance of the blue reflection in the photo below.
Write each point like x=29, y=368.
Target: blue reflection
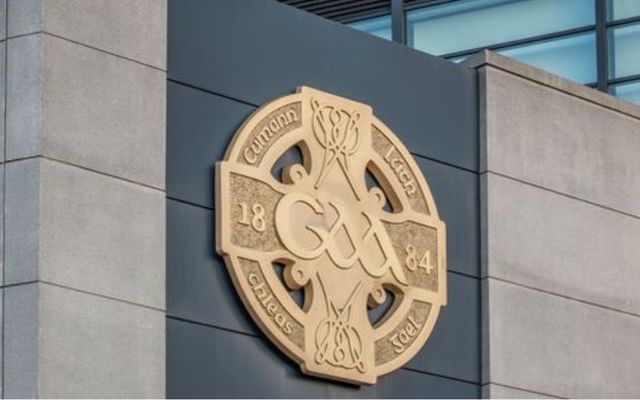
x=380, y=26
x=458, y=60
x=572, y=57
x=619, y=9
x=628, y=91
x=624, y=51
x=469, y=24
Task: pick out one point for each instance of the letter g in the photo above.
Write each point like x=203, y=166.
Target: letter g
x=285, y=218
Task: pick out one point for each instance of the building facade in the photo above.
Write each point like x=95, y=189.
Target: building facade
x=594, y=43
x=116, y=112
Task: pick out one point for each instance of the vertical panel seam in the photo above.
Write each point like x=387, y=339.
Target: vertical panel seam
x=4, y=174
x=479, y=227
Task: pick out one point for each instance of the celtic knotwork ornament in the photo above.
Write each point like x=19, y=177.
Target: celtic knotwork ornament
x=338, y=253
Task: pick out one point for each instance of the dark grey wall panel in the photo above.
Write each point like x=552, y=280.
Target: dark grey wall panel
x=225, y=58
x=198, y=285
x=455, y=192
x=199, y=128
x=255, y=50
x=453, y=349
x=199, y=289
x=207, y=362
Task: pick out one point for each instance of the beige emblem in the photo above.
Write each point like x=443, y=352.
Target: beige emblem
x=351, y=228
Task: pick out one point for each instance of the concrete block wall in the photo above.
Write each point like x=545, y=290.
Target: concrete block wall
x=83, y=169
x=560, y=219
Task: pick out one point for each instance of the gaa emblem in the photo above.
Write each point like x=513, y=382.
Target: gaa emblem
x=338, y=253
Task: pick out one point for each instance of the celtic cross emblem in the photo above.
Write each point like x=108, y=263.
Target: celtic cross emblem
x=339, y=255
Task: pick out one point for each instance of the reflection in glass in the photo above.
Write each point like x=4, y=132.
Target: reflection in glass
x=380, y=26
x=469, y=24
x=458, y=60
x=624, y=51
x=572, y=57
x=628, y=91
x=619, y=9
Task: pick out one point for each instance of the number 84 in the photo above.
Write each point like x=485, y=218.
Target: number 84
x=412, y=263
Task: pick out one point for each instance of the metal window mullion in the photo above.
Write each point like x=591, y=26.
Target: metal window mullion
x=398, y=23
x=624, y=79
x=602, y=56
x=624, y=21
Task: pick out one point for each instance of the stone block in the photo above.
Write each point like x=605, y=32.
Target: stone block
x=21, y=341
x=2, y=233
x=526, y=71
x=550, y=344
x=104, y=113
x=102, y=235
x=3, y=86
x=85, y=230
x=558, y=244
x=25, y=16
x=22, y=221
x=550, y=138
x=135, y=30
x=3, y=20
x=24, y=97
x=91, y=346
x=493, y=391
x=1, y=336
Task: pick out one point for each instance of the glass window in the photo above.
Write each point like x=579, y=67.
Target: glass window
x=624, y=51
x=628, y=91
x=572, y=57
x=469, y=24
x=380, y=26
x=618, y=9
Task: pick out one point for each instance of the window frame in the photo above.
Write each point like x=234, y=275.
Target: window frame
x=601, y=27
